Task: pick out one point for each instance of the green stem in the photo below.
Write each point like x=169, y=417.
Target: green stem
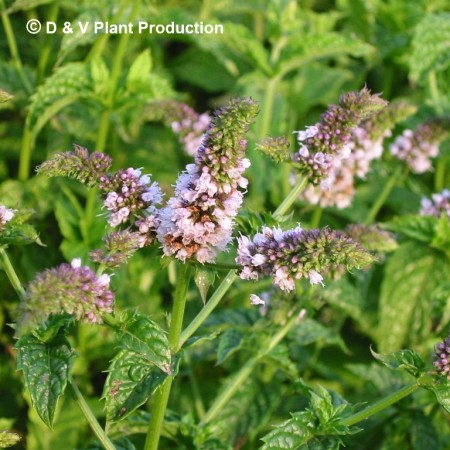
x=113, y=81
x=384, y=195
x=90, y=417
x=246, y=370
x=25, y=154
x=231, y=275
x=380, y=405
x=12, y=44
x=208, y=308
x=290, y=199
x=11, y=274
x=45, y=52
x=176, y=323
x=316, y=216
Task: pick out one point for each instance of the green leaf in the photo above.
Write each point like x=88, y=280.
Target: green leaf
x=71, y=41
x=142, y=336
x=411, y=274
x=204, y=278
x=279, y=357
x=318, y=427
x=46, y=367
x=130, y=382
x=441, y=240
x=313, y=46
x=423, y=433
x=122, y=443
x=407, y=360
x=440, y=386
x=140, y=69
x=256, y=402
x=100, y=76
x=8, y=439
x=66, y=85
x=24, y=5
x=229, y=342
x=420, y=228
x=430, y=45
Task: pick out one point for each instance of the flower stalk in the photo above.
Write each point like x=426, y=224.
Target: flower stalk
x=162, y=396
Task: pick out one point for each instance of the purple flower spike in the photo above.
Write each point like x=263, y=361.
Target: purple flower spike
x=198, y=221
x=328, y=140
x=442, y=358
x=437, y=205
x=68, y=288
x=290, y=255
x=417, y=147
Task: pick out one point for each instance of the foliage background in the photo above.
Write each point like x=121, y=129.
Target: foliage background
x=294, y=58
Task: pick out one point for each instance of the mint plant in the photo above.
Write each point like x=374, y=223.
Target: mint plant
x=246, y=247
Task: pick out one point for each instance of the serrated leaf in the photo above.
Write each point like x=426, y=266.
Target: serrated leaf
x=291, y=434
x=312, y=46
x=131, y=381
x=66, y=85
x=423, y=433
x=140, y=69
x=440, y=386
x=441, y=239
x=430, y=45
x=411, y=274
x=279, y=356
x=229, y=342
x=100, y=76
x=256, y=402
x=407, y=360
x=142, y=336
x=46, y=367
x=204, y=278
x=420, y=228
x=8, y=439
x=240, y=40
x=71, y=41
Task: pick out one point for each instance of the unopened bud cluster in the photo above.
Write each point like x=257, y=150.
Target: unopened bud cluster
x=290, y=255
x=79, y=165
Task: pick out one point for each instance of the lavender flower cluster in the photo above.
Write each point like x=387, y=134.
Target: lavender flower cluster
x=191, y=128
x=291, y=255
x=70, y=288
x=365, y=145
x=197, y=222
x=327, y=141
x=129, y=195
x=417, y=147
x=437, y=205
x=442, y=358
x=183, y=120
x=6, y=215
